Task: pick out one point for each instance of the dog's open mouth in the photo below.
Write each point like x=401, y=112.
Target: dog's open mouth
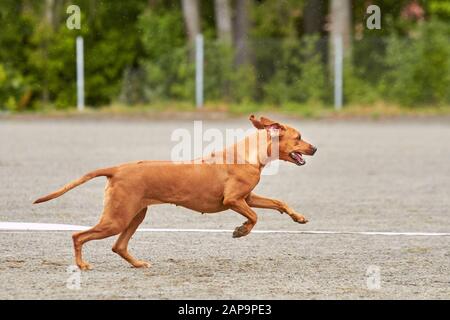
x=297, y=157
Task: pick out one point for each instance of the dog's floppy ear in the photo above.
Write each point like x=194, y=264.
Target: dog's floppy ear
x=266, y=123
x=256, y=123
x=270, y=124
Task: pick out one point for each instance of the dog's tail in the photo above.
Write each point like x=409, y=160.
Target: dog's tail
x=107, y=172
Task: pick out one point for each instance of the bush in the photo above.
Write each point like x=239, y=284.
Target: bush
x=223, y=80
x=299, y=73
x=218, y=71
x=57, y=67
x=168, y=72
x=357, y=89
x=243, y=84
x=419, y=68
x=15, y=93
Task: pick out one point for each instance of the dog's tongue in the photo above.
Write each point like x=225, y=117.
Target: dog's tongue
x=298, y=157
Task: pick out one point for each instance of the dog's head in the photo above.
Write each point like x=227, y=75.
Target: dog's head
x=291, y=145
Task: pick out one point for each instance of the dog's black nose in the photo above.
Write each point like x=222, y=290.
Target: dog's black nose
x=314, y=149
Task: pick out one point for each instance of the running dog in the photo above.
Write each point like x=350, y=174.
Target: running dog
x=207, y=185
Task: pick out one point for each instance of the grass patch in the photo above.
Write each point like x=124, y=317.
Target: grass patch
x=313, y=111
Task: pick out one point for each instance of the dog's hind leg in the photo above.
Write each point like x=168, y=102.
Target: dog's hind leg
x=100, y=231
x=115, y=219
x=255, y=201
x=121, y=245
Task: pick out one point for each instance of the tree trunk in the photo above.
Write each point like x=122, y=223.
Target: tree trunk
x=241, y=27
x=192, y=22
x=340, y=24
x=223, y=20
x=93, y=5
x=49, y=21
x=57, y=8
x=152, y=3
x=49, y=7
x=313, y=17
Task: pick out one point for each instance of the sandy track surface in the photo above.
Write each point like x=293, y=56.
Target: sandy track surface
x=366, y=176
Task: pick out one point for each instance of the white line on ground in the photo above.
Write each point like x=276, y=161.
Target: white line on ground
x=26, y=226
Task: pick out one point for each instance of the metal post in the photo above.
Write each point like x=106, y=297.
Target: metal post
x=199, y=70
x=80, y=74
x=338, y=71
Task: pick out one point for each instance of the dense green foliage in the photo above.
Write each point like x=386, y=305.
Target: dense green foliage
x=136, y=51
x=419, y=69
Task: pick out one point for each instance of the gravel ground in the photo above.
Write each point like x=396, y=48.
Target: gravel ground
x=391, y=175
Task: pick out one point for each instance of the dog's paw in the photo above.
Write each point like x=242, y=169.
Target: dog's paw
x=85, y=266
x=299, y=218
x=240, y=232
x=141, y=264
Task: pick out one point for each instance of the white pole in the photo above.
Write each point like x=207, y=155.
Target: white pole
x=199, y=70
x=338, y=71
x=80, y=74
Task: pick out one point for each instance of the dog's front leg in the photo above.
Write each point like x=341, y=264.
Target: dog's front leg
x=240, y=206
x=255, y=201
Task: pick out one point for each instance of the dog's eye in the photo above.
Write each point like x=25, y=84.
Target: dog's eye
x=299, y=137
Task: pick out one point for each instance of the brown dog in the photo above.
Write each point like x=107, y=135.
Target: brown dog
x=132, y=187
